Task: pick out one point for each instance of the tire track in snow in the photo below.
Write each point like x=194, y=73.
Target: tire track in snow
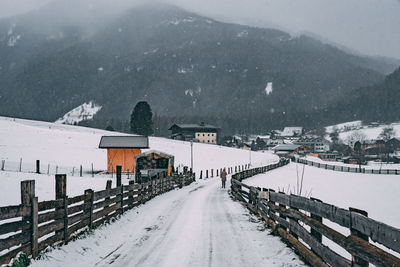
x=198, y=225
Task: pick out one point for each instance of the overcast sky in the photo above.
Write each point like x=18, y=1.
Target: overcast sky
x=369, y=26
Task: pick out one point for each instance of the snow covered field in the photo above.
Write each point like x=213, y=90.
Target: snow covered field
x=68, y=146
x=376, y=194
x=371, y=164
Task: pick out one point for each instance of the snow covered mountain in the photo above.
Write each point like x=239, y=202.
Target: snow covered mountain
x=177, y=61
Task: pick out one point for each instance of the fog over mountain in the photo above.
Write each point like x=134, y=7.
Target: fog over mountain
x=368, y=26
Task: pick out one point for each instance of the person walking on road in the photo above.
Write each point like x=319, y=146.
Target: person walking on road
x=223, y=178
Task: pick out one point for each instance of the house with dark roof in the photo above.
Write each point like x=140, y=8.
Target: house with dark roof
x=393, y=144
x=316, y=144
x=203, y=133
x=288, y=150
x=121, y=151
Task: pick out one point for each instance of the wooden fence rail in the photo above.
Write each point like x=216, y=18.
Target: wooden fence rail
x=289, y=215
x=347, y=168
x=32, y=226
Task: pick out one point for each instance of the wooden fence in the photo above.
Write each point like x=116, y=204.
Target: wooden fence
x=346, y=168
x=299, y=221
x=205, y=174
x=32, y=226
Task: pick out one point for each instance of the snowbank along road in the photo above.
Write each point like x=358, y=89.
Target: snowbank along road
x=198, y=225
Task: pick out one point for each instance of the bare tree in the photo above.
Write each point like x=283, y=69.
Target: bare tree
x=356, y=136
x=387, y=134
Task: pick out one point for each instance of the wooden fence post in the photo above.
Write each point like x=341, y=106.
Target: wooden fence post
x=206, y=173
x=280, y=215
x=29, y=201
x=212, y=173
x=315, y=233
x=108, y=187
x=61, y=193
x=37, y=166
x=3, y=162
x=92, y=171
x=119, y=170
x=201, y=174
x=130, y=198
x=66, y=234
x=20, y=164
x=357, y=261
x=121, y=201
x=80, y=171
x=217, y=173
x=61, y=185
x=89, y=206
x=35, y=228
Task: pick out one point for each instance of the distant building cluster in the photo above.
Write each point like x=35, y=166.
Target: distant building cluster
x=202, y=133
x=293, y=141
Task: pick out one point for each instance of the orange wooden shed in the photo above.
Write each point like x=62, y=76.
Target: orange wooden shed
x=121, y=150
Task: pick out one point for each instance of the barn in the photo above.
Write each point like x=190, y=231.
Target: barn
x=121, y=150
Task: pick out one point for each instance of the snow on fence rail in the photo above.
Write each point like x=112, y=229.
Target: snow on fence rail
x=32, y=226
x=346, y=169
x=291, y=215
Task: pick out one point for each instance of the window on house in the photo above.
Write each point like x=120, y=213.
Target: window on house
x=204, y=135
x=208, y=134
x=208, y=141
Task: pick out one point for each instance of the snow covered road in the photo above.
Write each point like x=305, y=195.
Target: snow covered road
x=198, y=225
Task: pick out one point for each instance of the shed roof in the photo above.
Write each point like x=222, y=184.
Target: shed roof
x=128, y=141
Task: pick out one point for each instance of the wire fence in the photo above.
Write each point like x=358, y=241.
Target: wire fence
x=47, y=168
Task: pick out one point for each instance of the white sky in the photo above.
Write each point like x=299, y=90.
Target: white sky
x=369, y=26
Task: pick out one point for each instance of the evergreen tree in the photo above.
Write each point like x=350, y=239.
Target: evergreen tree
x=141, y=119
x=110, y=128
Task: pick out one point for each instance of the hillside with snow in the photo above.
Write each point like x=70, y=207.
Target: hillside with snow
x=356, y=129
x=84, y=112
x=66, y=147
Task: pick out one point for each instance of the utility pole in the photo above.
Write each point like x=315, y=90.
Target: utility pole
x=191, y=154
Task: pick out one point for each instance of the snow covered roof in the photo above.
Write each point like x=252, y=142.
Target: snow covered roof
x=286, y=147
x=311, y=139
x=292, y=131
x=124, y=142
x=154, y=152
x=193, y=126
